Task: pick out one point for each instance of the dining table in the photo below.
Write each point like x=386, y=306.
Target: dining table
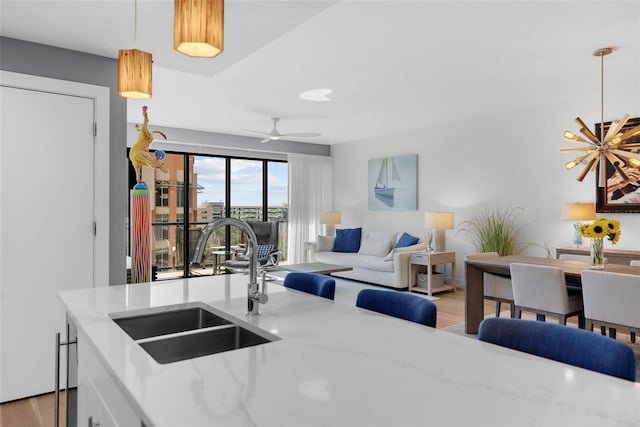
x=474, y=286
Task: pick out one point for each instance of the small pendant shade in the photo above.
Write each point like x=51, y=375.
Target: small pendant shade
x=198, y=27
x=134, y=74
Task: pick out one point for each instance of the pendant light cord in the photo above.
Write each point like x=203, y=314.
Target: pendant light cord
x=601, y=96
x=135, y=23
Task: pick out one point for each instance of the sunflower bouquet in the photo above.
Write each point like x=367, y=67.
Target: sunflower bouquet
x=597, y=231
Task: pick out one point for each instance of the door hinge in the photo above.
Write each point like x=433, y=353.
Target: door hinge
x=95, y=129
x=95, y=228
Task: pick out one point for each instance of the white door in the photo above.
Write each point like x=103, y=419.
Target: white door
x=46, y=228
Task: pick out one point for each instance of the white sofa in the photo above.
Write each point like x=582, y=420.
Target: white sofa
x=376, y=262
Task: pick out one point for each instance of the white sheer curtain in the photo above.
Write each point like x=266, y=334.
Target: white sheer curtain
x=310, y=192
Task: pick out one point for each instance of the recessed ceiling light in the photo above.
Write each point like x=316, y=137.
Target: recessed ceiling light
x=317, y=95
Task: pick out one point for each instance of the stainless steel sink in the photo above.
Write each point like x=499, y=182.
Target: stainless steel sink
x=181, y=332
x=169, y=322
x=202, y=344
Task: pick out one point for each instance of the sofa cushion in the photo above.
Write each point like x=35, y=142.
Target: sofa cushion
x=406, y=240
x=391, y=236
x=374, y=247
x=325, y=243
x=413, y=248
x=354, y=260
x=347, y=240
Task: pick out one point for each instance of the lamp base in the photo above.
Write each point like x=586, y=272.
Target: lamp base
x=440, y=241
x=329, y=230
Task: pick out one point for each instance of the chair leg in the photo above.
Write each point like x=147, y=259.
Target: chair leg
x=562, y=320
x=633, y=337
x=581, y=321
x=540, y=317
x=518, y=313
x=512, y=310
x=603, y=331
x=612, y=333
x=498, y=305
x=588, y=325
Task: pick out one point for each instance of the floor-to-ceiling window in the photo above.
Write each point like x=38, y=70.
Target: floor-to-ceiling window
x=219, y=186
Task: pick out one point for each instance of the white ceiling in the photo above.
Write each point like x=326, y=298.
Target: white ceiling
x=393, y=65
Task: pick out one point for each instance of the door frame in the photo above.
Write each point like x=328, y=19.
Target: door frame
x=100, y=96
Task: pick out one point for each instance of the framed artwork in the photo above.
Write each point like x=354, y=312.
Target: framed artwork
x=618, y=195
x=393, y=183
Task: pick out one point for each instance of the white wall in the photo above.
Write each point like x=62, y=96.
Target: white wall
x=508, y=160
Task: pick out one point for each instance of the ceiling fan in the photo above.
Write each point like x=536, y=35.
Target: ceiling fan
x=275, y=135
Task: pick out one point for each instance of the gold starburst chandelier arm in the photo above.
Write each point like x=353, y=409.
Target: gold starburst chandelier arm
x=591, y=165
x=617, y=162
x=586, y=158
x=573, y=149
x=629, y=146
x=628, y=134
x=632, y=158
x=572, y=137
x=585, y=131
x=615, y=128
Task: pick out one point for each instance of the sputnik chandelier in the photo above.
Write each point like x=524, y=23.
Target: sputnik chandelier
x=608, y=149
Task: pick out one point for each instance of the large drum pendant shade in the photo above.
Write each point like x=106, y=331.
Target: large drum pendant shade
x=198, y=27
x=134, y=74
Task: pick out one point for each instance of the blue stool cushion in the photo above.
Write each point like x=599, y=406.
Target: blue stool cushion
x=564, y=344
x=398, y=304
x=311, y=283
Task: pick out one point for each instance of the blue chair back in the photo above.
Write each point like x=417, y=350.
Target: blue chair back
x=311, y=283
x=398, y=304
x=565, y=344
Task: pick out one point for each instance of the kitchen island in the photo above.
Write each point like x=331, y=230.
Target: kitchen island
x=335, y=365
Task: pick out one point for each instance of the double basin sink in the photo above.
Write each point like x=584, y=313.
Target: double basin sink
x=174, y=333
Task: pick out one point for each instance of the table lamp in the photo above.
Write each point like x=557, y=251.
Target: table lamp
x=439, y=222
x=578, y=212
x=330, y=219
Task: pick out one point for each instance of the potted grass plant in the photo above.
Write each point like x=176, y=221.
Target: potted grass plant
x=495, y=230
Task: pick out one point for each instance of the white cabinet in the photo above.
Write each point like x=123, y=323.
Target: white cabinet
x=99, y=398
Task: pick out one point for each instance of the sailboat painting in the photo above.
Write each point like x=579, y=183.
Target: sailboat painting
x=393, y=183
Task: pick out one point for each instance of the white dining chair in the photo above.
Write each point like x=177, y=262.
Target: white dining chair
x=611, y=300
x=543, y=290
x=496, y=288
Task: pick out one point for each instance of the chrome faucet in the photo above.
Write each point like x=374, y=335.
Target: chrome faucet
x=254, y=296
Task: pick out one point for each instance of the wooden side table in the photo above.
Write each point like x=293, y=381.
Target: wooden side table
x=427, y=260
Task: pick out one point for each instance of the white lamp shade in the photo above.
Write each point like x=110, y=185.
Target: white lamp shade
x=330, y=217
x=579, y=212
x=439, y=220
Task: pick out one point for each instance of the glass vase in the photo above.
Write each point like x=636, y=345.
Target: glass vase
x=597, y=253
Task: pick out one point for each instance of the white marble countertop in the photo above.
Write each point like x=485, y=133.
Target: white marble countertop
x=338, y=365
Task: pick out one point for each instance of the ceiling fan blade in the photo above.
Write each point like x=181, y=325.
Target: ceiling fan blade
x=267, y=139
x=256, y=131
x=301, y=134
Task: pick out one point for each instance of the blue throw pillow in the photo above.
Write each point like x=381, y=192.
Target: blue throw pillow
x=347, y=240
x=406, y=240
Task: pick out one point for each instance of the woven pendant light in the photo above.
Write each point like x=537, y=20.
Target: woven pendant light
x=134, y=74
x=198, y=27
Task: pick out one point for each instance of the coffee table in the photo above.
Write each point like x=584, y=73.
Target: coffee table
x=314, y=267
